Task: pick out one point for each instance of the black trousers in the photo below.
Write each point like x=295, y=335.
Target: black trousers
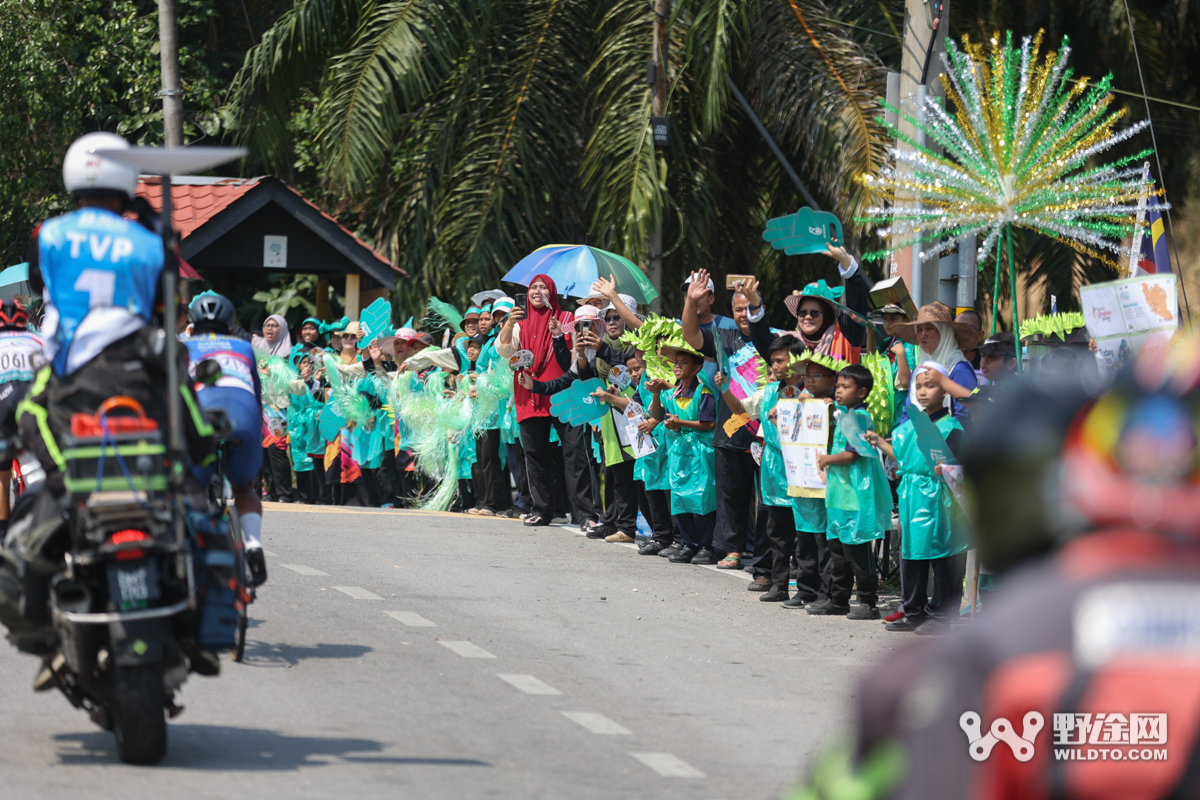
x=277, y=469
x=466, y=496
x=365, y=489
x=388, y=484
x=307, y=487
x=851, y=563
x=491, y=482
x=696, y=530
x=760, y=564
x=947, y=579
x=656, y=508
x=576, y=476
x=781, y=536
x=622, y=492
x=520, y=479
x=735, y=474
x=407, y=481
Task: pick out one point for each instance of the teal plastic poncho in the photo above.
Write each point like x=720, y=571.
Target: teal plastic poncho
x=654, y=470
x=933, y=525
x=691, y=459
x=858, y=501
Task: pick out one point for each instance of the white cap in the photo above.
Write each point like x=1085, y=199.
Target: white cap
x=692, y=277
x=83, y=170
x=628, y=300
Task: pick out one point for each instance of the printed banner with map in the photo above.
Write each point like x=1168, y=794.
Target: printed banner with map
x=1124, y=317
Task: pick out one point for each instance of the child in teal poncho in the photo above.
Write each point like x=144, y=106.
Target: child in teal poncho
x=933, y=530
x=858, y=502
x=689, y=413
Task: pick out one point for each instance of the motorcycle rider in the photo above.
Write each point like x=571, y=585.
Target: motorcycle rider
x=237, y=392
x=1092, y=630
x=99, y=275
x=20, y=358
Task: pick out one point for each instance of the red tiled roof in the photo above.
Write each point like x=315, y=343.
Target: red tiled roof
x=193, y=204
x=194, y=201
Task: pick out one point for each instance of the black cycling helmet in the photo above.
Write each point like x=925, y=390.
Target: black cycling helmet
x=211, y=309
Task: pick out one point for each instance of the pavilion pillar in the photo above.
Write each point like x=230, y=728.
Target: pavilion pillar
x=352, y=282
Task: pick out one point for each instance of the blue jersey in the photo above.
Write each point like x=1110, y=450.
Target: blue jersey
x=235, y=357
x=101, y=273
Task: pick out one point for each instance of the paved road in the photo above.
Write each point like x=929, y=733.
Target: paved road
x=401, y=654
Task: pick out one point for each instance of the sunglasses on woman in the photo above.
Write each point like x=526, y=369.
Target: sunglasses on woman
x=809, y=312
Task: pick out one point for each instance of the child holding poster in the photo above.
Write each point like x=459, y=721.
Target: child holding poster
x=934, y=533
x=858, y=501
x=791, y=521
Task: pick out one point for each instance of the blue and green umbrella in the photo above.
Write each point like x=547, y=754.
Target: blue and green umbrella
x=575, y=267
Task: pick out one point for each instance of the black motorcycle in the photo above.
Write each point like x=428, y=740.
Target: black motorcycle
x=129, y=586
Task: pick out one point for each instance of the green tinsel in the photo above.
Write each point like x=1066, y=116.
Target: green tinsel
x=276, y=376
x=655, y=333
x=346, y=393
x=440, y=314
x=1053, y=325
x=881, y=401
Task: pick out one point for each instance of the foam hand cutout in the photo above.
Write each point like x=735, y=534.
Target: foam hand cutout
x=806, y=231
x=576, y=405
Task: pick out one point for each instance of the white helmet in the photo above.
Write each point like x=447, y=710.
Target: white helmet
x=83, y=170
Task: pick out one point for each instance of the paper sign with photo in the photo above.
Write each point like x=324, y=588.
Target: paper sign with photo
x=522, y=359
x=619, y=376
x=952, y=474
x=642, y=444
x=1125, y=316
x=804, y=428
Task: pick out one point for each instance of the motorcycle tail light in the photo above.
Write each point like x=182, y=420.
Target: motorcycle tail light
x=127, y=540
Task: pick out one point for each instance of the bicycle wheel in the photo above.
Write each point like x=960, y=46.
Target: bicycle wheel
x=235, y=534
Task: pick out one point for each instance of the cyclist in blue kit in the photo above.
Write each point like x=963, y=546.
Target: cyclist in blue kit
x=235, y=390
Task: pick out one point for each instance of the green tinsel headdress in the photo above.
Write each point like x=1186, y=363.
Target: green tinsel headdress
x=1053, y=325
x=656, y=333
x=828, y=362
x=881, y=402
x=440, y=314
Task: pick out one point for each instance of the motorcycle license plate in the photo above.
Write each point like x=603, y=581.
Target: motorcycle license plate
x=133, y=586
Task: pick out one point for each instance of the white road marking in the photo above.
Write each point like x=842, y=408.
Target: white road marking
x=466, y=649
x=303, y=570
x=667, y=765
x=410, y=619
x=358, y=593
x=269, y=553
x=597, y=723
x=528, y=684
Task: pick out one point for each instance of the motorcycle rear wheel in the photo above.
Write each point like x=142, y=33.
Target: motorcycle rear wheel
x=139, y=713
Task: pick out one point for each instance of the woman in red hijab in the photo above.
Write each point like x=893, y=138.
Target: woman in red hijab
x=537, y=333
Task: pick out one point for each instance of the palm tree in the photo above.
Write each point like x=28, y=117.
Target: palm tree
x=476, y=131
x=465, y=133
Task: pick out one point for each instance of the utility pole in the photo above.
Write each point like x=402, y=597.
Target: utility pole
x=658, y=113
x=172, y=92
x=925, y=26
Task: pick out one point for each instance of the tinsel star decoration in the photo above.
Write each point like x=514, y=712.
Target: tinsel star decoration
x=1016, y=135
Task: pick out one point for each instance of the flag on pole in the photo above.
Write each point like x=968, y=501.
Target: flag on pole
x=1153, y=256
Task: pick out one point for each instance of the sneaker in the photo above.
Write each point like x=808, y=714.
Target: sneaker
x=829, y=609
x=776, y=594
x=815, y=605
x=257, y=564
x=760, y=584
x=863, y=611
x=670, y=550
x=795, y=602
x=895, y=615
x=388, y=505
x=905, y=625
x=934, y=627
x=599, y=532
x=651, y=548
x=704, y=556
x=620, y=538
x=683, y=555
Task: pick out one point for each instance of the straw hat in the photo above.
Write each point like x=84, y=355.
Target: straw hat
x=966, y=336
x=828, y=295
